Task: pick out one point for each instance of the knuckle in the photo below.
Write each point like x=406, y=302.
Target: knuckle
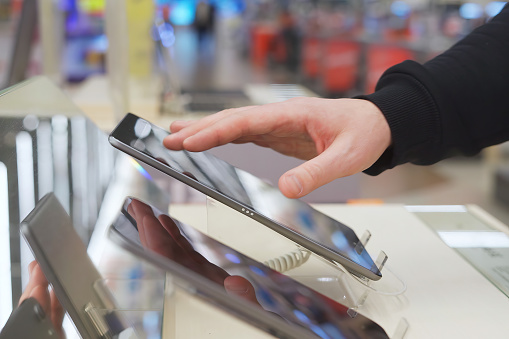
x=314, y=172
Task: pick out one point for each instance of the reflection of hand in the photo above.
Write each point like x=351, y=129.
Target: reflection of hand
x=241, y=287
x=38, y=288
x=338, y=137
x=163, y=236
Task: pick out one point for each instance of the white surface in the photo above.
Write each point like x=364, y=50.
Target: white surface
x=446, y=296
x=186, y=316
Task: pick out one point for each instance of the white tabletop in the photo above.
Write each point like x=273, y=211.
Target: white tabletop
x=446, y=297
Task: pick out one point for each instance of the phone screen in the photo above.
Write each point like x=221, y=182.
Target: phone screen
x=139, y=137
x=144, y=227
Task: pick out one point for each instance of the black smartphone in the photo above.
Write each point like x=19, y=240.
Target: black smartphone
x=214, y=272
x=246, y=193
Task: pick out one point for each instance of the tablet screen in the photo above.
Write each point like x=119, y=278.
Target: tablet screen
x=143, y=226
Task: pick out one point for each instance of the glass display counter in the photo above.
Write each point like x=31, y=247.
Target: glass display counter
x=48, y=145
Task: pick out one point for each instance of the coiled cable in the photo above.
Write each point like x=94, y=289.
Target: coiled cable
x=289, y=261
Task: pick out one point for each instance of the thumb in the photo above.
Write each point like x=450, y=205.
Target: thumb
x=312, y=174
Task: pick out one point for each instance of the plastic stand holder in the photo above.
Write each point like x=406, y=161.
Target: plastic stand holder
x=248, y=236
x=137, y=311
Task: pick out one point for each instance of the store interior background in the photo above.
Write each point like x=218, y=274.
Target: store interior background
x=330, y=48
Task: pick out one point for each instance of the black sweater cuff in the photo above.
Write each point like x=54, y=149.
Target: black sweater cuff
x=413, y=119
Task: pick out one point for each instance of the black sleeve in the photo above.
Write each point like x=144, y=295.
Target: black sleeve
x=456, y=103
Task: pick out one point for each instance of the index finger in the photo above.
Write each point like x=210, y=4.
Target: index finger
x=183, y=129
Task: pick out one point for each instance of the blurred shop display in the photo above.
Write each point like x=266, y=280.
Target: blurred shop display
x=342, y=47
x=313, y=41
x=22, y=43
x=65, y=34
x=85, y=42
x=20, y=56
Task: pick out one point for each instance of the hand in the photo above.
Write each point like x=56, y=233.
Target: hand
x=37, y=288
x=338, y=137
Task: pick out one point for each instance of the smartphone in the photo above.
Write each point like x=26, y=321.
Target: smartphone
x=247, y=194
x=213, y=272
x=63, y=258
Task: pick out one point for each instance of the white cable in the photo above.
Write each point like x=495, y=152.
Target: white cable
x=289, y=261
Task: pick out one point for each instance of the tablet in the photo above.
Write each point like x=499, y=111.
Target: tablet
x=212, y=271
x=63, y=258
x=247, y=194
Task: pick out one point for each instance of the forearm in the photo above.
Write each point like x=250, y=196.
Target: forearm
x=453, y=104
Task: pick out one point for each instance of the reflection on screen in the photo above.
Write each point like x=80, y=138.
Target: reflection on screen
x=142, y=225
x=248, y=190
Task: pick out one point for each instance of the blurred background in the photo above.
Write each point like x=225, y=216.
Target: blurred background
x=334, y=47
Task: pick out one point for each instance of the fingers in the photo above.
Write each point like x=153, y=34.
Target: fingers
x=176, y=126
x=260, y=121
x=174, y=232
x=240, y=286
x=31, y=266
x=57, y=313
x=37, y=279
x=37, y=287
x=157, y=238
x=182, y=129
x=138, y=210
x=225, y=127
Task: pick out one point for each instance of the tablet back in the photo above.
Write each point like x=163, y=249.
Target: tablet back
x=63, y=258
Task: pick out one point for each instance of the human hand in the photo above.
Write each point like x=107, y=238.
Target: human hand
x=337, y=137
x=37, y=288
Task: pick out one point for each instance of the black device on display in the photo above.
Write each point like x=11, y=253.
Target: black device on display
x=246, y=193
x=212, y=271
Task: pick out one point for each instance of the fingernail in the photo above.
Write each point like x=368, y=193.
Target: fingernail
x=294, y=184
x=237, y=289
